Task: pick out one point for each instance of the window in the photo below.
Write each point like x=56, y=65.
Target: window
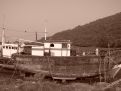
x=3, y=46
x=6, y=47
x=64, y=45
x=16, y=48
x=68, y=45
x=9, y=47
x=52, y=45
x=12, y=47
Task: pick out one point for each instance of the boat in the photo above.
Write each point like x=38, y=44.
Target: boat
x=56, y=59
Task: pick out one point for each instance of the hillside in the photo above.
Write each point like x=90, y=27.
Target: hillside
x=97, y=33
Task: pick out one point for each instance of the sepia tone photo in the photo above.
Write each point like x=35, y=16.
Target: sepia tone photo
x=60, y=45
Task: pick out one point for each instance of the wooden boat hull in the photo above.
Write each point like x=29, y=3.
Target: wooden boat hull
x=62, y=67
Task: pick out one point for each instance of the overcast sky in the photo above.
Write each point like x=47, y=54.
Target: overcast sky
x=56, y=15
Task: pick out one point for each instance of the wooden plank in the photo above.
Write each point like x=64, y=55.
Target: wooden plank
x=7, y=66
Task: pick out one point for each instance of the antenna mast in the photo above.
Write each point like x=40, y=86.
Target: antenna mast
x=45, y=34
x=3, y=31
x=3, y=36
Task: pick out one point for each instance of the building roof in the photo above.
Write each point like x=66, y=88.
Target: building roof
x=34, y=43
x=57, y=41
x=11, y=44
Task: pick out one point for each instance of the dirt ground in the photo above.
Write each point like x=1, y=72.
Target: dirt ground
x=9, y=81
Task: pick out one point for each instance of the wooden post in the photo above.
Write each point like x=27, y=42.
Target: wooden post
x=100, y=70
x=104, y=72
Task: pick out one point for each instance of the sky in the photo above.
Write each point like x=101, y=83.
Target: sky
x=33, y=16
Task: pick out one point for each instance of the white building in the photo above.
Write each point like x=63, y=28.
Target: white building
x=52, y=48
x=9, y=49
x=57, y=48
x=49, y=47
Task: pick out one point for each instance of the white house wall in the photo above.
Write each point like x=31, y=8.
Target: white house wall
x=38, y=51
x=57, y=45
x=60, y=52
x=65, y=52
x=55, y=53
x=7, y=52
x=57, y=49
x=46, y=47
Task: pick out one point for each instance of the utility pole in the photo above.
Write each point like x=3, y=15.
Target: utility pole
x=45, y=34
x=3, y=31
x=3, y=35
x=36, y=35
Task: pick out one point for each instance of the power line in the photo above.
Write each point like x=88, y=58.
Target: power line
x=24, y=31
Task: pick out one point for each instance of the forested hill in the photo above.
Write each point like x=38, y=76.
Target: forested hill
x=97, y=33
